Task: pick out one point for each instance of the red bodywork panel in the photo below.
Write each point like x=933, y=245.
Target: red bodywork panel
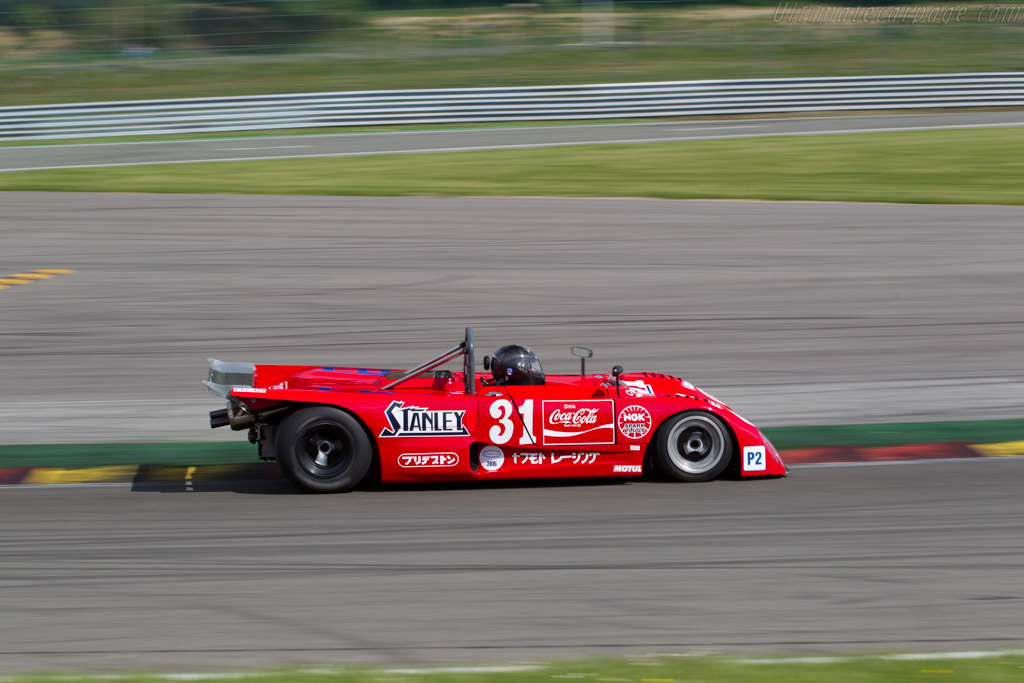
x=430, y=429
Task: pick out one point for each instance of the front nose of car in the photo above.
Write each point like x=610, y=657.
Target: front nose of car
x=775, y=464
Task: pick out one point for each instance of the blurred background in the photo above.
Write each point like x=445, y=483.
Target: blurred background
x=76, y=50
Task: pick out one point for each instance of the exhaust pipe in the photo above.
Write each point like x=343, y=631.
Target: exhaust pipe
x=239, y=418
x=219, y=418
x=233, y=416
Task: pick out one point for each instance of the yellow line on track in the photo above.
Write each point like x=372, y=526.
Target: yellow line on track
x=59, y=475
x=211, y=473
x=37, y=274
x=1007, y=449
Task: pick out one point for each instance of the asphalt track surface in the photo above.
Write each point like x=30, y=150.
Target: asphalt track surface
x=912, y=557
x=468, y=139
x=793, y=313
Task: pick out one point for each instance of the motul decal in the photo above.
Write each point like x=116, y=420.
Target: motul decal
x=414, y=460
x=419, y=421
x=581, y=423
x=634, y=422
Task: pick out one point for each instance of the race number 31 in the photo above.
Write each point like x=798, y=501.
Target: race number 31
x=754, y=459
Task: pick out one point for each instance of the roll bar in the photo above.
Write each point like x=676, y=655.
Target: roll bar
x=465, y=349
x=470, y=368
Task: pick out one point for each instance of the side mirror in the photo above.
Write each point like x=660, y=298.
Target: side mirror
x=583, y=353
x=616, y=371
x=487, y=362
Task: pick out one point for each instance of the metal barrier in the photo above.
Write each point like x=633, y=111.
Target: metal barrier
x=542, y=103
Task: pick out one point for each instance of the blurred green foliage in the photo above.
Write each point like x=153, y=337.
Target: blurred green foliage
x=89, y=50
x=270, y=23
x=178, y=24
x=228, y=23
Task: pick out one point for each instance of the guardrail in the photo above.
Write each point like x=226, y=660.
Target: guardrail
x=479, y=105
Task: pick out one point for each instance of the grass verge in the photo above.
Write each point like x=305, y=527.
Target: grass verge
x=648, y=669
x=784, y=438
x=946, y=166
x=74, y=456
x=899, y=434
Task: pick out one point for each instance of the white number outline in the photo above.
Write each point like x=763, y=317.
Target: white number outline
x=526, y=412
x=501, y=433
x=501, y=410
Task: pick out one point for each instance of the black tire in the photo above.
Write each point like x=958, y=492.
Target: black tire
x=694, y=446
x=323, y=450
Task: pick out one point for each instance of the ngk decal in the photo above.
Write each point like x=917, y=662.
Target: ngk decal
x=418, y=421
x=584, y=422
x=411, y=460
x=634, y=422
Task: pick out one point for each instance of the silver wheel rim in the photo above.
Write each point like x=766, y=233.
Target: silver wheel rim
x=324, y=450
x=696, y=444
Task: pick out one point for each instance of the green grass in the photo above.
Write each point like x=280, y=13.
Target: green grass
x=784, y=438
x=73, y=456
x=649, y=669
x=949, y=166
x=898, y=434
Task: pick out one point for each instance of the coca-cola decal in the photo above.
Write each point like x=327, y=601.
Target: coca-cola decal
x=634, y=422
x=578, y=423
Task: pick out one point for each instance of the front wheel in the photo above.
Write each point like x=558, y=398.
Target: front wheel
x=323, y=450
x=694, y=446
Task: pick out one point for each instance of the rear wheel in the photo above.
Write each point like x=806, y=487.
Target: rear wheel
x=323, y=450
x=694, y=446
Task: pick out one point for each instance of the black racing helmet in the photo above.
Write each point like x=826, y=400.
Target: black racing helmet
x=516, y=364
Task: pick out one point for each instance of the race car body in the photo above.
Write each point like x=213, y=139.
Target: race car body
x=328, y=426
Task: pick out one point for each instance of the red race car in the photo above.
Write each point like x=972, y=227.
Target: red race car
x=328, y=427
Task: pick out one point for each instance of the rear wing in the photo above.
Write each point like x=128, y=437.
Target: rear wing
x=226, y=375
